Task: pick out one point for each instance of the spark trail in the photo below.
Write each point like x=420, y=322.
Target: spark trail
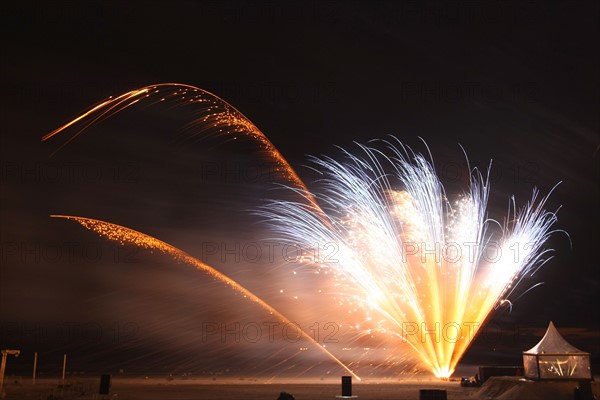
x=124, y=236
x=212, y=116
x=425, y=267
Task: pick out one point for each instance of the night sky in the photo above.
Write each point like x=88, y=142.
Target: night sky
x=512, y=82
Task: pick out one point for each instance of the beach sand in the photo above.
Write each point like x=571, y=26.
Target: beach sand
x=502, y=388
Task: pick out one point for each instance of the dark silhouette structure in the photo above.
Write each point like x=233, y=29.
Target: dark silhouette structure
x=104, y=384
x=285, y=396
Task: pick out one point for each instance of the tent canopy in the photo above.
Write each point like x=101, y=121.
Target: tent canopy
x=553, y=343
x=553, y=358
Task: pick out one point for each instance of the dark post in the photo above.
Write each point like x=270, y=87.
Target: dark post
x=433, y=394
x=583, y=391
x=346, y=386
x=104, y=384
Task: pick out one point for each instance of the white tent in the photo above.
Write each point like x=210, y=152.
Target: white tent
x=555, y=358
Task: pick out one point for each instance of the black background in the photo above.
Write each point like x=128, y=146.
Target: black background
x=516, y=82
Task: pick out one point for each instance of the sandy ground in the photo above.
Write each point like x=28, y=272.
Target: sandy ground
x=199, y=389
x=153, y=389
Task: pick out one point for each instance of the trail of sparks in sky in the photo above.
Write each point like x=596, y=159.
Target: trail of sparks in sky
x=127, y=236
x=425, y=267
x=212, y=116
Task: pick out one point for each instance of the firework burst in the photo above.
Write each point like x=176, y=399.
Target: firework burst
x=426, y=269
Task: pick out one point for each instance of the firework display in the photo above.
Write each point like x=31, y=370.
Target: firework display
x=424, y=269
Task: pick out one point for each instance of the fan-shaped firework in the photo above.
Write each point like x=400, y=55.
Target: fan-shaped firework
x=423, y=266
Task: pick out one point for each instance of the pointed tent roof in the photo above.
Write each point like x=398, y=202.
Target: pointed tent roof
x=553, y=343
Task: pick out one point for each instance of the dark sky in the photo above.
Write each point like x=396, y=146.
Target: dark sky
x=516, y=82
